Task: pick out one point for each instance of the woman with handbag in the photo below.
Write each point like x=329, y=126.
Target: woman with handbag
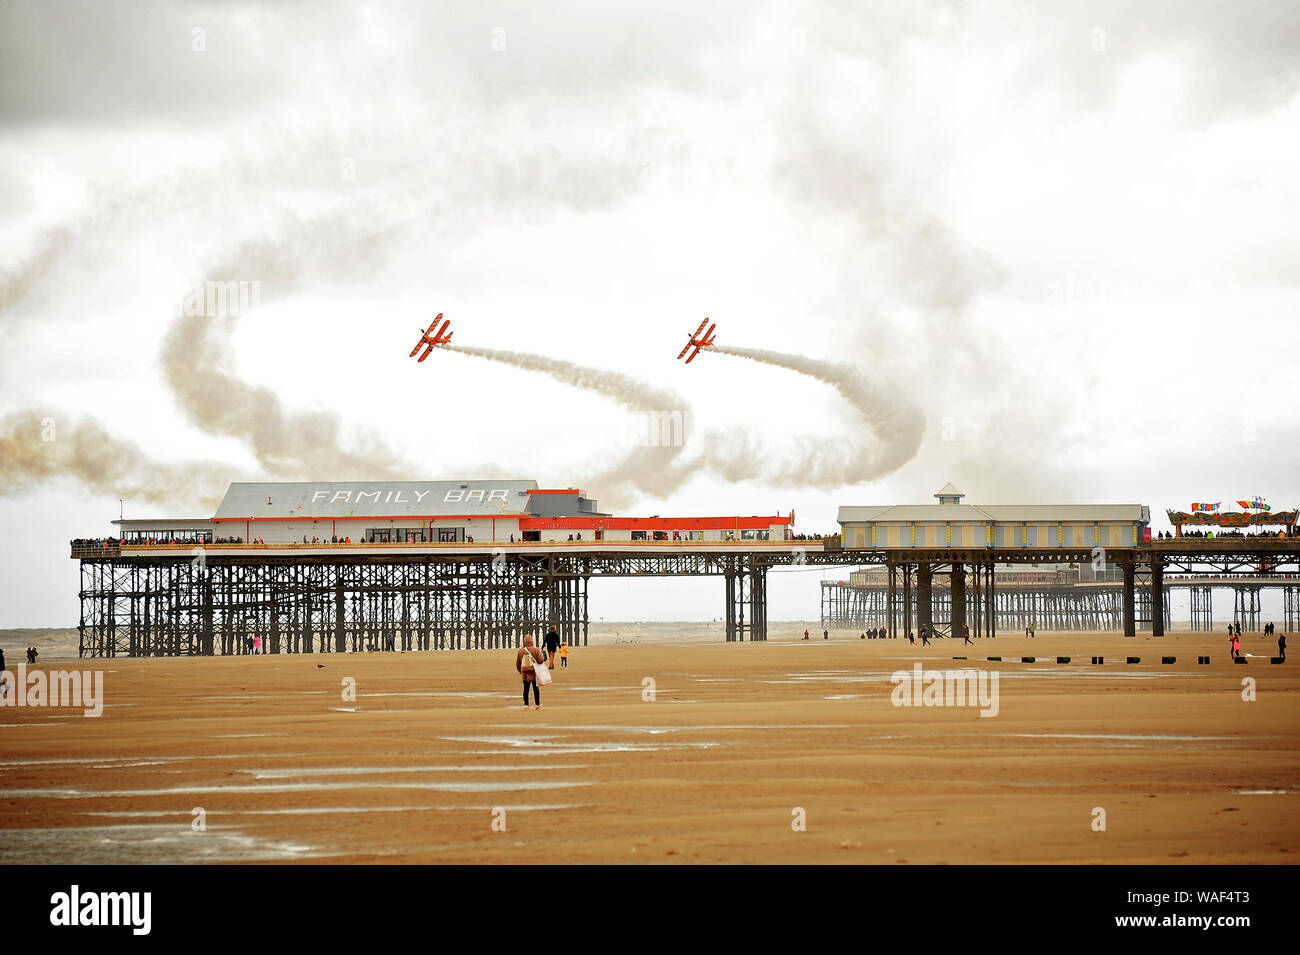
x=528, y=661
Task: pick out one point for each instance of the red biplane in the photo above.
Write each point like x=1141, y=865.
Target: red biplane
x=433, y=339
x=699, y=340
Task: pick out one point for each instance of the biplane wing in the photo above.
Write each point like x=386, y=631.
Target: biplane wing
x=690, y=339
x=433, y=339
x=700, y=339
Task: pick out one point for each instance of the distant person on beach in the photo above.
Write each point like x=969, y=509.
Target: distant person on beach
x=257, y=644
x=911, y=638
x=1236, y=647
x=32, y=654
x=925, y=636
x=1281, y=649
x=826, y=634
x=552, y=643
x=805, y=634
x=965, y=635
x=525, y=662
x=564, y=654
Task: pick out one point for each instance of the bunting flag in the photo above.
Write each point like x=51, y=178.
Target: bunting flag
x=1205, y=507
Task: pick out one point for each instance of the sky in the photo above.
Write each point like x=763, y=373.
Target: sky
x=1048, y=252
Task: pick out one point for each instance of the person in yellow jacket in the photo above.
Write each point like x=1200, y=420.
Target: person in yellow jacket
x=564, y=655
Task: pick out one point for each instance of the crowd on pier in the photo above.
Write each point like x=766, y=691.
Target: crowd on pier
x=1217, y=534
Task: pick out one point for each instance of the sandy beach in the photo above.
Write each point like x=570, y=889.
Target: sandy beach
x=436, y=760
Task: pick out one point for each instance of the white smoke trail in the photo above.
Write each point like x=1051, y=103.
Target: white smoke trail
x=650, y=469
x=302, y=445
x=896, y=427
x=629, y=392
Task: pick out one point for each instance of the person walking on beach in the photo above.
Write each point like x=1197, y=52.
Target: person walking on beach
x=1281, y=650
x=925, y=636
x=911, y=638
x=552, y=643
x=1236, y=647
x=805, y=634
x=525, y=662
x=965, y=635
x=564, y=655
x=32, y=654
x=257, y=645
x=826, y=634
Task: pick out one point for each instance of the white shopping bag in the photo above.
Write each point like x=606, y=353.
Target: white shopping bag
x=542, y=672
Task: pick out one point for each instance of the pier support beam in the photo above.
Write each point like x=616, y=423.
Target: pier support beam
x=990, y=595
x=924, y=607
x=958, y=599
x=891, y=602
x=729, y=585
x=907, y=599
x=1201, y=599
x=1158, y=601
x=1130, y=601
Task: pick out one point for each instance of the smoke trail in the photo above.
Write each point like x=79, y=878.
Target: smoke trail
x=896, y=423
x=302, y=444
x=37, y=447
x=195, y=350
x=651, y=469
x=629, y=392
x=17, y=284
x=462, y=194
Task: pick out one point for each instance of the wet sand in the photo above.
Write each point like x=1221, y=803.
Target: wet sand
x=737, y=738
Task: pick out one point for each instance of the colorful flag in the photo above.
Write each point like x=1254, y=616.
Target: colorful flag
x=1205, y=507
x=1254, y=504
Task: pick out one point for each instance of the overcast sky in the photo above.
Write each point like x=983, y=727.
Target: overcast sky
x=1057, y=241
